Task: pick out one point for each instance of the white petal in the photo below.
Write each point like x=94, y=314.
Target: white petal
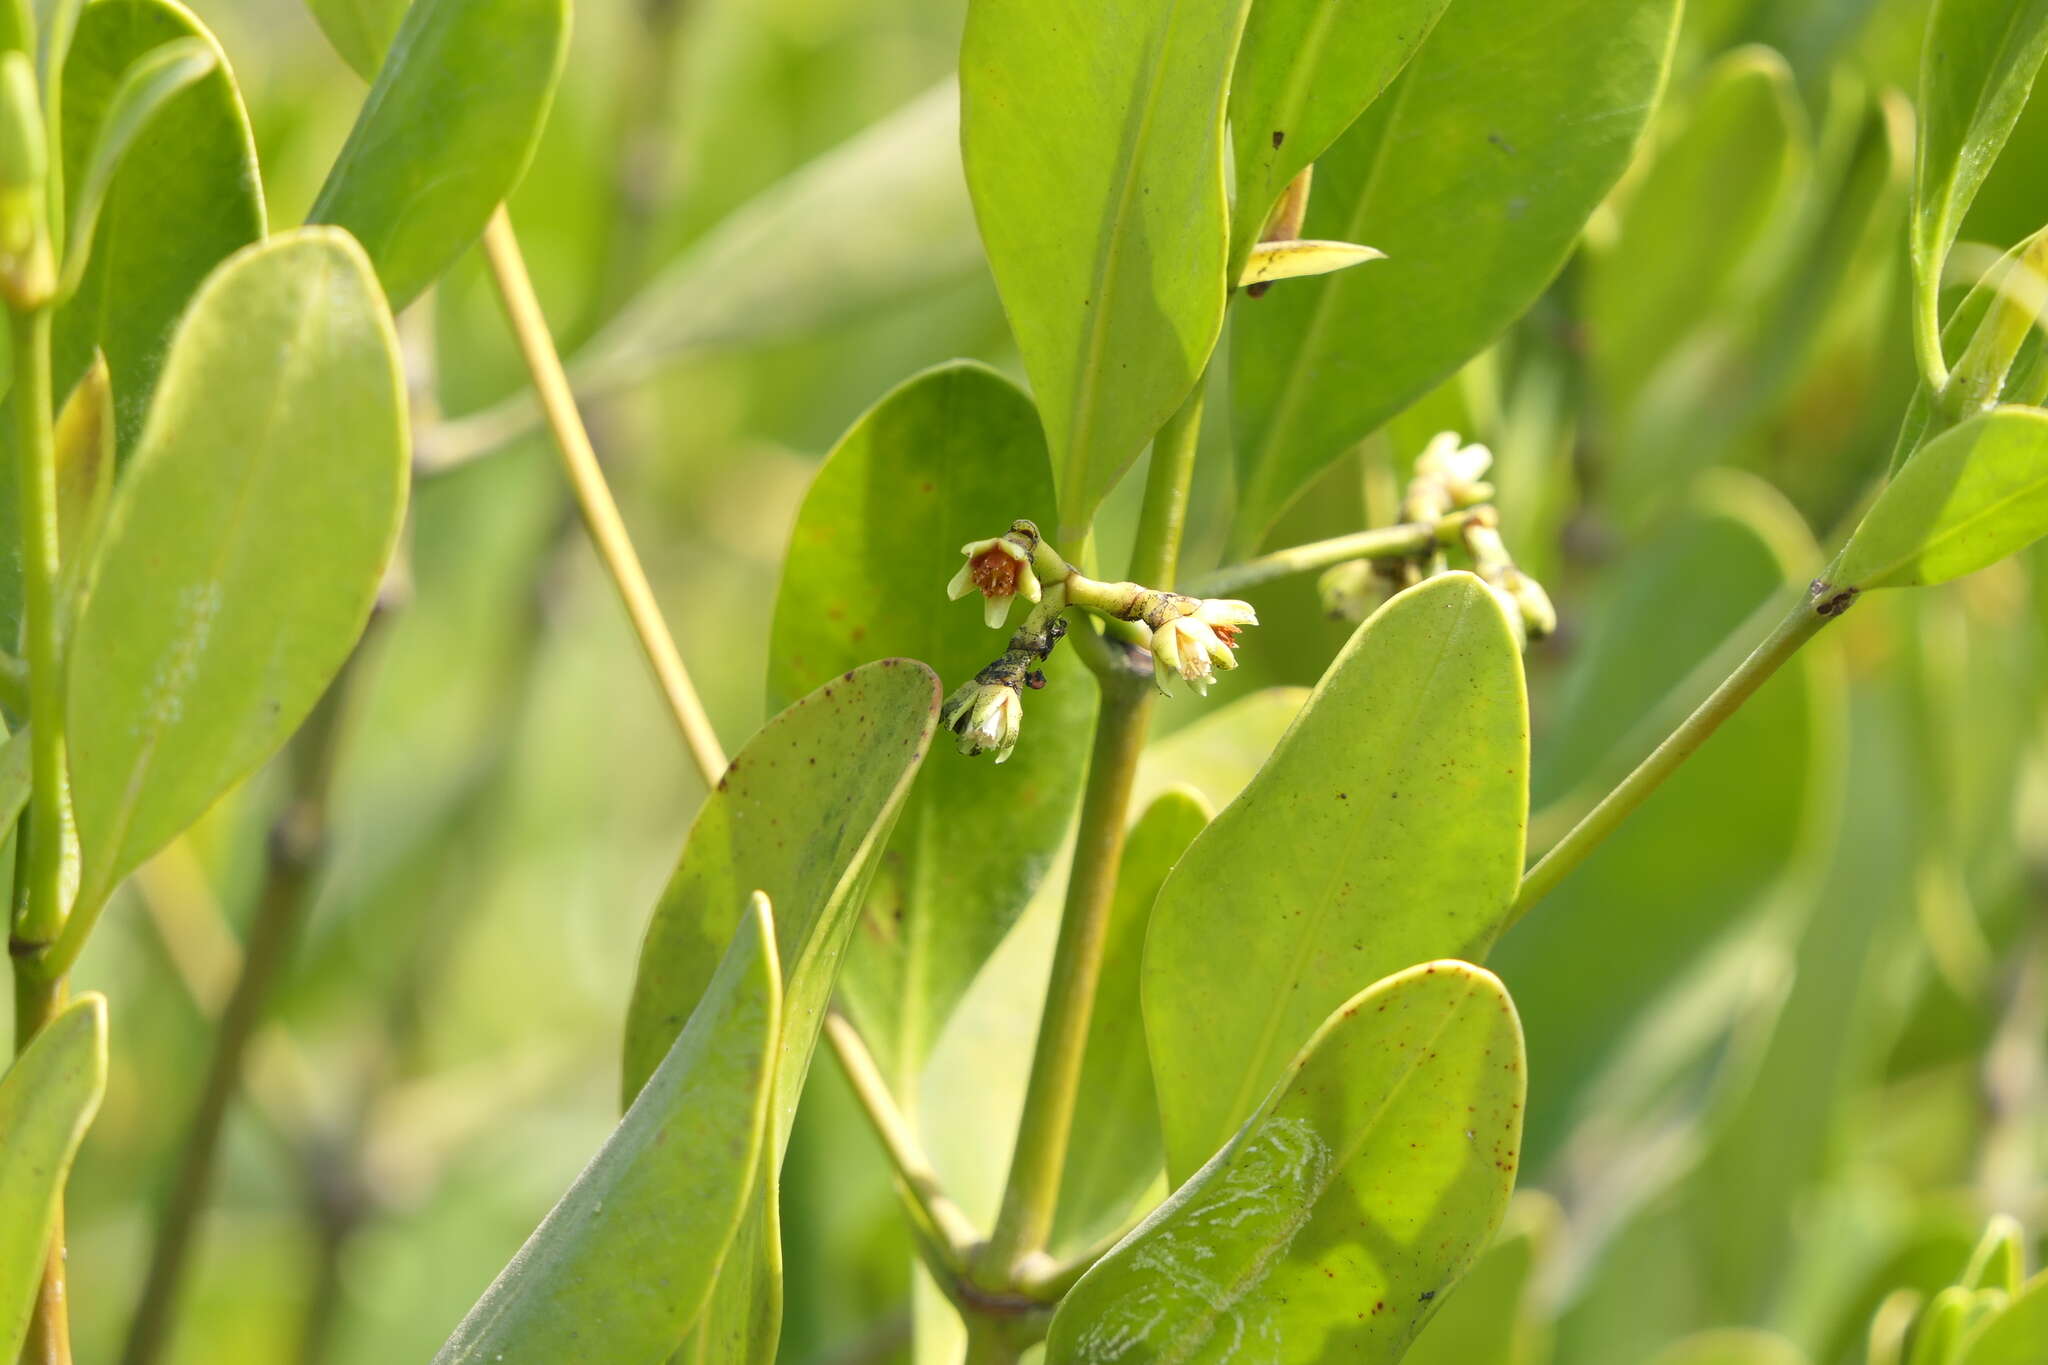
x=1010, y=548
x=1027, y=583
x=1291, y=259
x=1226, y=611
x=996, y=610
x=962, y=584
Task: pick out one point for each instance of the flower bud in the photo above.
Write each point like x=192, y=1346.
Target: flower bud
x=984, y=716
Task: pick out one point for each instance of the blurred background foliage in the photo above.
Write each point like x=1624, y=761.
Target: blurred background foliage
x=1817, y=1062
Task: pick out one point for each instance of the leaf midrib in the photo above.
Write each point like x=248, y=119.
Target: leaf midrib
x=1108, y=257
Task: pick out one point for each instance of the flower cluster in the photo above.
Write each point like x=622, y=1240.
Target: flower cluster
x=1194, y=645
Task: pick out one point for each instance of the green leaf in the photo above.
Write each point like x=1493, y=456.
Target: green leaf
x=445, y=133
x=1670, y=267
x=1975, y=72
x=1304, y=74
x=1474, y=174
x=1495, y=1316
x=2013, y=1336
x=1093, y=140
x=1117, y=1153
x=185, y=198
x=1999, y=1260
x=1973, y=495
x=1355, y=1195
x=47, y=1100
x=801, y=815
x=17, y=777
x=952, y=455
x=361, y=30
x=625, y=1262
x=1385, y=829
x=244, y=547
x=150, y=82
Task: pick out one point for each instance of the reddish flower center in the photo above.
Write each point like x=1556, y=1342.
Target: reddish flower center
x=994, y=572
x=1227, y=634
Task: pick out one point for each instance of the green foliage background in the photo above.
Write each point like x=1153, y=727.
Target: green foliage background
x=1786, y=1036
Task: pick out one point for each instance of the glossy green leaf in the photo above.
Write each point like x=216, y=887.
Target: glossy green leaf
x=624, y=1264
x=1092, y=132
x=445, y=133
x=1973, y=495
x=802, y=815
x=2013, y=1336
x=742, y=1321
x=1117, y=1153
x=1976, y=70
x=244, y=547
x=17, y=776
x=1385, y=829
x=47, y=1100
x=1305, y=72
x=361, y=30
x=1355, y=1195
x=150, y=82
x=952, y=455
x=185, y=197
x=1474, y=174
x=1671, y=267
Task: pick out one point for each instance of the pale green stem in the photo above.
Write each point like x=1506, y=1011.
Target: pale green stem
x=1407, y=538
x=944, y=1225
x=1031, y=1196
x=594, y=497
x=39, y=992
x=1927, y=342
x=1813, y=611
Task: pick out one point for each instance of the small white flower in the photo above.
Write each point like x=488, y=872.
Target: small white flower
x=984, y=716
x=1000, y=568
x=1194, y=646
x=1457, y=463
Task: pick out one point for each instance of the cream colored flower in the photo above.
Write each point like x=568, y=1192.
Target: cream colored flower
x=1195, y=646
x=1449, y=457
x=1000, y=568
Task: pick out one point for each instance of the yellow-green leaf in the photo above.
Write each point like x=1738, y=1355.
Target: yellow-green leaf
x=1350, y=1201
x=1385, y=829
x=625, y=1263
x=47, y=1100
x=244, y=547
x=1973, y=495
x=1092, y=132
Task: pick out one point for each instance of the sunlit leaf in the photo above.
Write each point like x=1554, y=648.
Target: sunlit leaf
x=361, y=30
x=244, y=546
x=1385, y=829
x=1972, y=496
x=625, y=1282
x=445, y=133
x=1474, y=174
x=1355, y=1195
x=1093, y=138
x=2014, y=1335
x=951, y=456
x=47, y=1099
x=1304, y=73
x=185, y=197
